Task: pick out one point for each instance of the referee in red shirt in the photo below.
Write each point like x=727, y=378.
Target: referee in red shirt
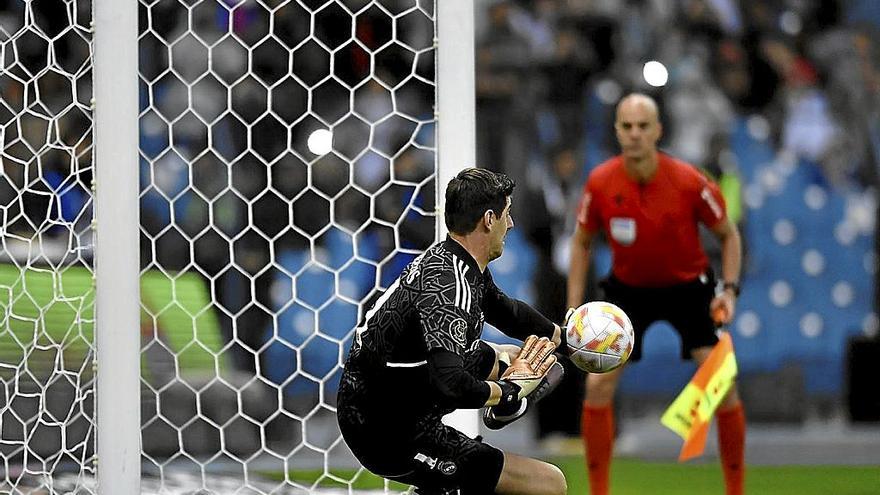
x=649, y=206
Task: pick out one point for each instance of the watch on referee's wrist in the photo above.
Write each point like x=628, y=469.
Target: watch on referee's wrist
x=731, y=286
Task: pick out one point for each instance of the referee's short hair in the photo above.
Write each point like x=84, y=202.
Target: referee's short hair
x=471, y=193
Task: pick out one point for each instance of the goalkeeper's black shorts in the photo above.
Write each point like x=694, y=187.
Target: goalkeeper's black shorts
x=401, y=437
x=441, y=458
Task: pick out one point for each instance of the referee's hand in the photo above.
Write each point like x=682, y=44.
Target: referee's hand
x=722, y=309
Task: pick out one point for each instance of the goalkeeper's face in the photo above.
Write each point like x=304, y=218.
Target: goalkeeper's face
x=498, y=231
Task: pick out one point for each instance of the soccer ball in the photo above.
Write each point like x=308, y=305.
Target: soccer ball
x=599, y=336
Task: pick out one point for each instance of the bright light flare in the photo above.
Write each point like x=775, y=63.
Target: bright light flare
x=655, y=73
x=320, y=141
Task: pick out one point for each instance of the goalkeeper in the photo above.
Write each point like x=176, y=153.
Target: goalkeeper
x=418, y=356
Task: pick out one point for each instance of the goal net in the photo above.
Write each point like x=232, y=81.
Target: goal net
x=47, y=421
x=263, y=237
x=288, y=171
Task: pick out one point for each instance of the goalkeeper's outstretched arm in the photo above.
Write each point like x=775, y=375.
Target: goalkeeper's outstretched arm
x=456, y=388
x=514, y=317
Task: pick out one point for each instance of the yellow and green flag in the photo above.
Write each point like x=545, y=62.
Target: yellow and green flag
x=691, y=413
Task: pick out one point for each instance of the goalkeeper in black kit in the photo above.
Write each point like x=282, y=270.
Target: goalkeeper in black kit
x=418, y=356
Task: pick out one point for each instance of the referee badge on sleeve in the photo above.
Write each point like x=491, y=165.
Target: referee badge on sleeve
x=623, y=230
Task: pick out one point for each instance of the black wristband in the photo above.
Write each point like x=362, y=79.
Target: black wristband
x=733, y=286
x=509, y=393
x=502, y=367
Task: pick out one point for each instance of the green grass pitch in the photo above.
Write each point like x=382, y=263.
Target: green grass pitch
x=635, y=477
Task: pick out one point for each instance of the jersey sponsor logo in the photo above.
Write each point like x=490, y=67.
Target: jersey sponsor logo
x=623, y=230
x=459, y=331
x=706, y=194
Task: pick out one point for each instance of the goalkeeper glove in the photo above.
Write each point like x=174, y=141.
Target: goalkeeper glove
x=521, y=378
x=529, y=367
x=497, y=417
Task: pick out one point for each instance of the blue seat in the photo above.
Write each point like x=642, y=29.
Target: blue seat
x=297, y=346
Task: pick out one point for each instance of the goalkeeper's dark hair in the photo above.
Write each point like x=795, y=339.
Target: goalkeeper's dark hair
x=471, y=193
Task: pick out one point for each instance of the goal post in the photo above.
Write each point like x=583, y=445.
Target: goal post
x=116, y=220
x=456, y=124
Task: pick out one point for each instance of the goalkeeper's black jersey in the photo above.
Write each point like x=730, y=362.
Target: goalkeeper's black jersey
x=439, y=303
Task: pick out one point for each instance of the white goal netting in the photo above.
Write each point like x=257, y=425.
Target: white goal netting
x=47, y=423
x=261, y=240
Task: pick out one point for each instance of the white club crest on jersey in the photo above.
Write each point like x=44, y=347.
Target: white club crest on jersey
x=459, y=331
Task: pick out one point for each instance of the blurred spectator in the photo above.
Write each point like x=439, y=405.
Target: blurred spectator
x=808, y=130
x=697, y=110
x=505, y=96
x=552, y=193
x=848, y=61
x=743, y=73
x=566, y=73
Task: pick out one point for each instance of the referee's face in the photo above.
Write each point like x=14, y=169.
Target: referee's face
x=638, y=128
x=498, y=231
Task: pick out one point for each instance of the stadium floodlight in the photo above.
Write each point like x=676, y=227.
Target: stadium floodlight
x=655, y=73
x=320, y=142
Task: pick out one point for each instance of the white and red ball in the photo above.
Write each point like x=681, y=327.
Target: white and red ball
x=599, y=336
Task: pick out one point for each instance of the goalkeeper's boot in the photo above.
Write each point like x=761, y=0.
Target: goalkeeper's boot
x=496, y=417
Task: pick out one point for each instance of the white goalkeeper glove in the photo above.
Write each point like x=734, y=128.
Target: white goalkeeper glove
x=529, y=367
x=497, y=417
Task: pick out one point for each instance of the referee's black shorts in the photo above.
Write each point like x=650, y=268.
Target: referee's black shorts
x=685, y=306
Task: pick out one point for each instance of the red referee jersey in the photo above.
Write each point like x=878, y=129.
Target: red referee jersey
x=652, y=228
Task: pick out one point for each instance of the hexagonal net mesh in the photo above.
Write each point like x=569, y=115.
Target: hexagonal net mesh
x=261, y=240
x=46, y=290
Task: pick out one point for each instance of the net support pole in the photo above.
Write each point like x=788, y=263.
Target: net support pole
x=117, y=328
x=456, y=123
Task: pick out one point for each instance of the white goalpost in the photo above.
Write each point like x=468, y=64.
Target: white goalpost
x=177, y=299
x=456, y=122
x=117, y=292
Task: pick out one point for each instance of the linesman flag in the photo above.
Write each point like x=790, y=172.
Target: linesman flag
x=691, y=413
